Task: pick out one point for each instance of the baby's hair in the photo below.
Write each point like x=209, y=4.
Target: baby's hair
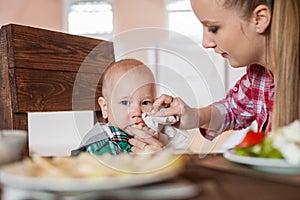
x=125, y=64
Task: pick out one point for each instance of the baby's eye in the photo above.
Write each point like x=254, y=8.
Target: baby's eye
x=125, y=103
x=213, y=29
x=146, y=103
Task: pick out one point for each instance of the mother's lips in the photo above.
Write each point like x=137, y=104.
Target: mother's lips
x=224, y=55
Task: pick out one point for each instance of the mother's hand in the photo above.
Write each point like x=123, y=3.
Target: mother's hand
x=166, y=105
x=144, y=140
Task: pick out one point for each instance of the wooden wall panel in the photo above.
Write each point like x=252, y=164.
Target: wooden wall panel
x=49, y=50
x=43, y=70
x=6, y=116
x=40, y=91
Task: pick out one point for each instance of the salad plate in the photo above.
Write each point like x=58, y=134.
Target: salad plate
x=269, y=165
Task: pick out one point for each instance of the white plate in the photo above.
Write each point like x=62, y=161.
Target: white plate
x=270, y=165
x=104, y=172
x=87, y=184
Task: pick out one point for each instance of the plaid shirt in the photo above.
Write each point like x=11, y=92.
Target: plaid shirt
x=251, y=99
x=115, y=145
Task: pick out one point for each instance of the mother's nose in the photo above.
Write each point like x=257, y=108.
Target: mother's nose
x=207, y=41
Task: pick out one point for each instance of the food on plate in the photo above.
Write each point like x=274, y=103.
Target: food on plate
x=281, y=143
x=252, y=138
x=287, y=141
x=91, y=166
x=258, y=145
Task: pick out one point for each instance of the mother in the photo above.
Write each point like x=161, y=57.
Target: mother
x=262, y=35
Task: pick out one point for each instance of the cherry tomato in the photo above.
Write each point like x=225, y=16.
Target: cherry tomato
x=252, y=138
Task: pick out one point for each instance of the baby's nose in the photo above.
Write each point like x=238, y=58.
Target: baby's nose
x=135, y=111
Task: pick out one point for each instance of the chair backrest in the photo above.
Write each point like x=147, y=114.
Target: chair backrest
x=44, y=70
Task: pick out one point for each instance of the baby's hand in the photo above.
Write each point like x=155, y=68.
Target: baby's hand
x=144, y=139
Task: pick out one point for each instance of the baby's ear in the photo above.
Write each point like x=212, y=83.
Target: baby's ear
x=103, y=105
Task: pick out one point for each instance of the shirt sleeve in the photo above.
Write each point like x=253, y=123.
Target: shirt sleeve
x=236, y=109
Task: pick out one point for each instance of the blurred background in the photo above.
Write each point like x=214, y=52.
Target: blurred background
x=165, y=34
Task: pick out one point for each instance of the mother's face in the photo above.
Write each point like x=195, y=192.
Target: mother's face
x=230, y=35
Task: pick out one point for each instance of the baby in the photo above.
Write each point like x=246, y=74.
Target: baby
x=128, y=91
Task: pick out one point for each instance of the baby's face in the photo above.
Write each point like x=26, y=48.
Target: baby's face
x=131, y=94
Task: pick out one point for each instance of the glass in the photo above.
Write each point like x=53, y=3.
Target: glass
x=12, y=143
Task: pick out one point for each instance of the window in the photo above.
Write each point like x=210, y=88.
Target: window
x=182, y=19
x=89, y=18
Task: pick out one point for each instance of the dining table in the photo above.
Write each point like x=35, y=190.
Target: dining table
x=219, y=178
x=205, y=177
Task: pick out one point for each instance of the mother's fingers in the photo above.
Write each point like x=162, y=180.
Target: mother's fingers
x=174, y=110
x=162, y=101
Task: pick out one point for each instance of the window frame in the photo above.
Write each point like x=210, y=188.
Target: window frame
x=197, y=37
x=66, y=6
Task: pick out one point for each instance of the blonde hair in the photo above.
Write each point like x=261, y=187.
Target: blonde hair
x=246, y=8
x=285, y=49
x=282, y=50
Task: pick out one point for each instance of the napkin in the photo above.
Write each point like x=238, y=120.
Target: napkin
x=163, y=125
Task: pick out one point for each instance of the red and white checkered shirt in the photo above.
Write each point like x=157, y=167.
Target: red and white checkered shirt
x=251, y=99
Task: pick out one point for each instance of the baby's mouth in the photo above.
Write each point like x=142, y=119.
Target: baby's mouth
x=139, y=122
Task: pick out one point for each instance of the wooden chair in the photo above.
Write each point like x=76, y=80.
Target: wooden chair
x=44, y=71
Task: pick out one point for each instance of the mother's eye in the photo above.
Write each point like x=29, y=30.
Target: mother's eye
x=213, y=29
